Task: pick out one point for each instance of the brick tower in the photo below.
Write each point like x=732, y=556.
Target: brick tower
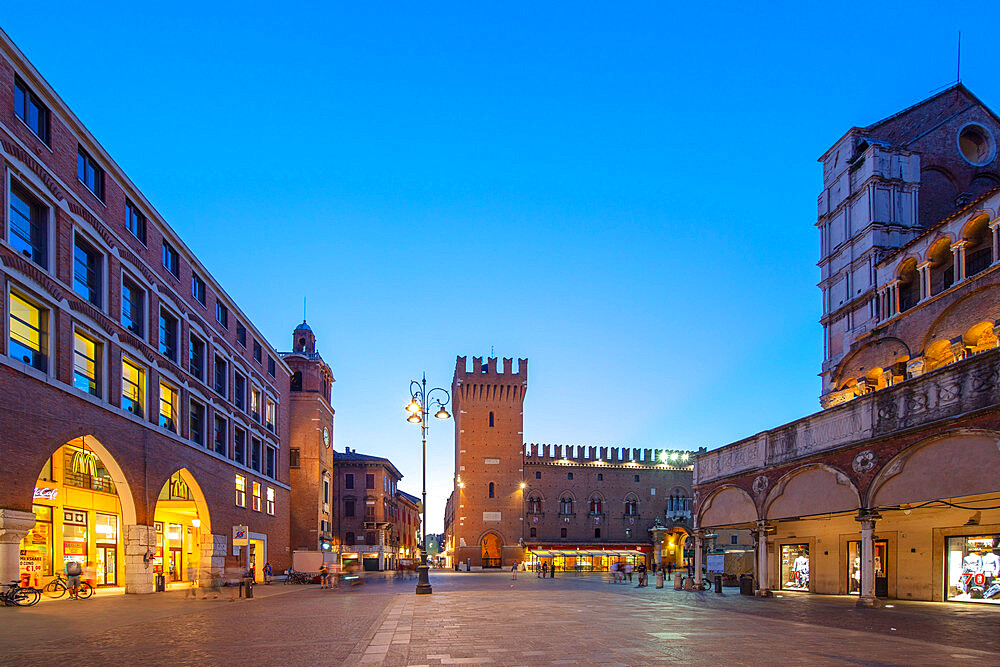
x=489, y=436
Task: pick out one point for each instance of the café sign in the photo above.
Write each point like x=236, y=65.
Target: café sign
x=45, y=493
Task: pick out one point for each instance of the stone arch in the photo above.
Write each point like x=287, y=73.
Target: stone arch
x=982, y=183
x=122, y=487
x=567, y=494
x=961, y=462
x=909, y=283
x=979, y=244
x=199, y=496
x=809, y=490
x=491, y=549
x=953, y=321
x=725, y=506
x=891, y=353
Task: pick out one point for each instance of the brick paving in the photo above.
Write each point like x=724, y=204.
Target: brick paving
x=490, y=619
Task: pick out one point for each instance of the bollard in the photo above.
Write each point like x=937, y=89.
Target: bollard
x=678, y=581
x=718, y=584
x=659, y=578
x=249, y=587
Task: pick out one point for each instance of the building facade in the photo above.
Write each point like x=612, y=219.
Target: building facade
x=142, y=410
x=578, y=508
x=892, y=491
x=310, y=443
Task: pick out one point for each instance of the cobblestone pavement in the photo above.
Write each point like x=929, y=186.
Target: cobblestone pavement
x=490, y=619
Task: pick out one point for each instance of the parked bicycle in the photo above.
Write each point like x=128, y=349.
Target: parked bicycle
x=298, y=577
x=20, y=596
x=57, y=588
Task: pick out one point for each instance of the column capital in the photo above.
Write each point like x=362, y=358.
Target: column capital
x=865, y=514
x=924, y=265
x=959, y=244
x=994, y=223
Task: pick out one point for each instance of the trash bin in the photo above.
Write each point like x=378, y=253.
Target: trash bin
x=718, y=584
x=160, y=583
x=248, y=587
x=746, y=584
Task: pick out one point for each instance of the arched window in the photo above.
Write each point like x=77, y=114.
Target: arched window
x=534, y=505
x=562, y=532
x=491, y=420
x=296, y=384
x=566, y=505
x=491, y=489
x=979, y=251
x=942, y=266
x=909, y=285
x=595, y=505
x=631, y=506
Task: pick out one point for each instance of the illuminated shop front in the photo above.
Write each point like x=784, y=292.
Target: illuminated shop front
x=78, y=517
x=584, y=560
x=795, y=567
x=973, y=568
x=178, y=521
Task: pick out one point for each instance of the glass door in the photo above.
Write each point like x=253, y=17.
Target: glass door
x=881, y=563
x=795, y=567
x=107, y=574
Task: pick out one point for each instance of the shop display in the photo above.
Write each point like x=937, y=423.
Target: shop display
x=974, y=568
x=880, y=563
x=795, y=567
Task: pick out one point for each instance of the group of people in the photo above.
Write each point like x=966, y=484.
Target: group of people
x=621, y=573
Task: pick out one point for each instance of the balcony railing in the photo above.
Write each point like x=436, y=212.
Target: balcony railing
x=82, y=481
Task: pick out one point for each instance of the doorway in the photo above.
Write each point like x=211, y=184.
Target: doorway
x=491, y=554
x=881, y=563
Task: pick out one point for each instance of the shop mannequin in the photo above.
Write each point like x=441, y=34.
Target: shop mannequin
x=800, y=566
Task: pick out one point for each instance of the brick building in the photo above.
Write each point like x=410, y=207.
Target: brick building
x=573, y=507
x=372, y=518
x=142, y=410
x=310, y=443
x=409, y=524
x=892, y=491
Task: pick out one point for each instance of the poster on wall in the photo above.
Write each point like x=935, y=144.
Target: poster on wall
x=716, y=563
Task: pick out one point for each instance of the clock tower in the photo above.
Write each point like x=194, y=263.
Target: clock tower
x=310, y=452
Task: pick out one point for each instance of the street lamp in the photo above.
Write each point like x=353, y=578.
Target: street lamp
x=419, y=407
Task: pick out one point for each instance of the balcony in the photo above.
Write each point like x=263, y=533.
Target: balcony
x=954, y=389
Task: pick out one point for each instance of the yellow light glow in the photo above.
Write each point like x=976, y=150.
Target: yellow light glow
x=414, y=418
x=523, y=485
x=442, y=413
x=413, y=407
x=196, y=523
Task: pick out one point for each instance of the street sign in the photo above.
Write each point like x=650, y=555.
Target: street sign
x=241, y=535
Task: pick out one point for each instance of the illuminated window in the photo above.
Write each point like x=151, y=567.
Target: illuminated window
x=86, y=365
x=269, y=415
x=255, y=404
x=241, y=491
x=29, y=229
x=270, y=501
x=133, y=388
x=168, y=407
x=168, y=335
x=256, y=496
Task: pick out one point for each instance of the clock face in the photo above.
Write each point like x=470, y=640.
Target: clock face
x=326, y=436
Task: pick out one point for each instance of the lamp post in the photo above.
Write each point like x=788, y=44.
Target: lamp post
x=419, y=408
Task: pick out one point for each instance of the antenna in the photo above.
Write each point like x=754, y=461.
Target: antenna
x=491, y=351
x=303, y=309
x=958, y=72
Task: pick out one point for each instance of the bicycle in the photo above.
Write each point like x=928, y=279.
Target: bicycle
x=20, y=596
x=298, y=578
x=57, y=588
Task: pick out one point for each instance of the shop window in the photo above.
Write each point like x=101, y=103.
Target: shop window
x=28, y=333
x=133, y=307
x=880, y=566
x=221, y=427
x=270, y=501
x=241, y=491
x=83, y=469
x=168, y=407
x=795, y=567
x=36, y=547
x=255, y=453
x=240, y=446
x=133, y=388
x=86, y=364
x=270, y=462
x=256, y=496
x=197, y=423
x=29, y=226
x=135, y=221
x=176, y=489
x=973, y=568
x=75, y=536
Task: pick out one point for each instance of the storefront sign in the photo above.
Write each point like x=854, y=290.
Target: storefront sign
x=241, y=536
x=46, y=493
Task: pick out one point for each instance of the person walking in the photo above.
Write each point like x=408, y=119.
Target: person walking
x=323, y=572
x=513, y=571
x=73, y=572
x=642, y=575
x=267, y=572
x=545, y=569
x=628, y=572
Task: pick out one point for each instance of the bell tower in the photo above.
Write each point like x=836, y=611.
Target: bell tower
x=489, y=446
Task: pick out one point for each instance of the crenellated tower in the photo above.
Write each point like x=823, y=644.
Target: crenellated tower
x=489, y=434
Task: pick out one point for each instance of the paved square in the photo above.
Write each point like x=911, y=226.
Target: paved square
x=490, y=619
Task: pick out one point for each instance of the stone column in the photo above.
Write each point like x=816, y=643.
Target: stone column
x=867, y=519
x=140, y=547
x=924, y=272
x=699, y=556
x=763, y=587
x=995, y=228
x=213, y=557
x=14, y=525
x=958, y=252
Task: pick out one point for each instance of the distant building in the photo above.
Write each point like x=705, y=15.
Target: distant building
x=578, y=508
x=891, y=491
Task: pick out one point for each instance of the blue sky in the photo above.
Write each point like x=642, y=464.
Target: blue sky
x=623, y=193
